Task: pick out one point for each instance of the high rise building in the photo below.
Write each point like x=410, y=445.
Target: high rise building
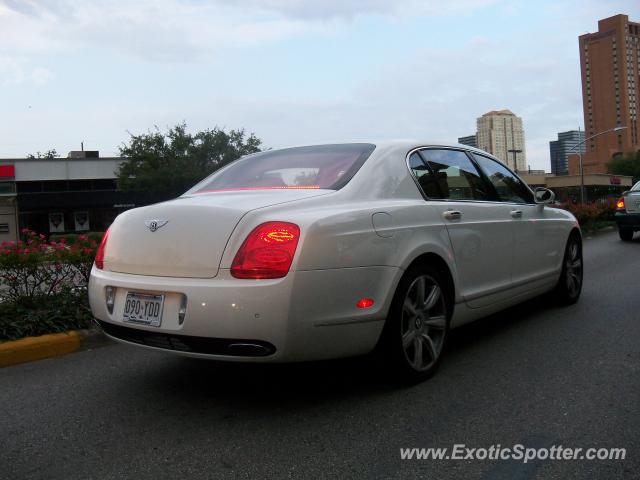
x=500, y=133
x=609, y=60
x=469, y=140
x=560, y=149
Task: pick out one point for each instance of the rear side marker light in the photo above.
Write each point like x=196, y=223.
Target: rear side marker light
x=365, y=303
x=267, y=252
x=182, y=311
x=110, y=297
x=620, y=204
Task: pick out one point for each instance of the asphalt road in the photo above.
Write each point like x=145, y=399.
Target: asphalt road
x=536, y=375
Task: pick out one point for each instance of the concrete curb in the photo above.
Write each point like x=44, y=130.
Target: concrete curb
x=30, y=349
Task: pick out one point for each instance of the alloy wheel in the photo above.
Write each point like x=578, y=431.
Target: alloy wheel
x=424, y=322
x=573, y=269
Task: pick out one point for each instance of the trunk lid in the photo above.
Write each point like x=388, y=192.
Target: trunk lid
x=189, y=235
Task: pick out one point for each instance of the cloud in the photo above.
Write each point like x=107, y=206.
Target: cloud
x=14, y=71
x=430, y=94
x=151, y=30
x=184, y=30
x=432, y=88
x=349, y=9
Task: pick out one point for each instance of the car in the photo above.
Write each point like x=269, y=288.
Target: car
x=334, y=250
x=627, y=214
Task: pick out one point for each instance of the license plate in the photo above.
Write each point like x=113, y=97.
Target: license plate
x=144, y=309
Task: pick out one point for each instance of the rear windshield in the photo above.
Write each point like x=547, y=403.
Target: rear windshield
x=636, y=187
x=321, y=166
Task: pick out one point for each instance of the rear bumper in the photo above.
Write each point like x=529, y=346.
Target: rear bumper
x=628, y=220
x=307, y=315
x=187, y=343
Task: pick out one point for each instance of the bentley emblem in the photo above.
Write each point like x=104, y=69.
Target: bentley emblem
x=155, y=224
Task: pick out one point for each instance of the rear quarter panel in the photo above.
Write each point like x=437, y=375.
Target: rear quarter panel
x=337, y=230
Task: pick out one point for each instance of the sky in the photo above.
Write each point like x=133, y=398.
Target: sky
x=291, y=71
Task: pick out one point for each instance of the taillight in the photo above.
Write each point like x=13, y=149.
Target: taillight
x=100, y=252
x=267, y=252
x=620, y=204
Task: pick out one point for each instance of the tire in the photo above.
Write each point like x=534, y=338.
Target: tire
x=414, y=337
x=626, y=234
x=569, y=286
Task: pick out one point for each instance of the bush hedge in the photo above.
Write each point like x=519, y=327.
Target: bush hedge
x=67, y=310
x=71, y=238
x=594, y=215
x=43, y=284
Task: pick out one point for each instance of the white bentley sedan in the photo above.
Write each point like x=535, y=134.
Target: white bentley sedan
x=334, y=250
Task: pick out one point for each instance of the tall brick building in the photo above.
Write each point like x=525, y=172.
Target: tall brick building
x=610, y=64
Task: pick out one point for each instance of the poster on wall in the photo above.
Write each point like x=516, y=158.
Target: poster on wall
x=82, y=221
x=56, y=222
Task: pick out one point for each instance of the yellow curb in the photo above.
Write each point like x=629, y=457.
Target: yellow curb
x=36, y=348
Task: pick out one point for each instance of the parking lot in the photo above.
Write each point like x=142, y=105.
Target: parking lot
x=536, y=375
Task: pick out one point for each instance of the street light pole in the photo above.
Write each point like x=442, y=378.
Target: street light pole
x=515, y=162
x=615, y=129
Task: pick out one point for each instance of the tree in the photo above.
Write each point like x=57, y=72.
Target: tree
x=171, y=162
x=48, y=155
x=628, y=164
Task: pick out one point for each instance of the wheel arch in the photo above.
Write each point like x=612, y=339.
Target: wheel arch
x=575, y=230
x=436, y=261
x=431, y=259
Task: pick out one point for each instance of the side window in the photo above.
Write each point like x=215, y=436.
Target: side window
x=423, y=175
x=456, y=176
x=509, y=187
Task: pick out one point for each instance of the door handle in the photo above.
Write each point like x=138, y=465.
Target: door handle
x=452, y=215
x=516, y=213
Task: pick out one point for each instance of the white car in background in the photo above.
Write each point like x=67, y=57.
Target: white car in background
x=627, y=214
x=334, y=250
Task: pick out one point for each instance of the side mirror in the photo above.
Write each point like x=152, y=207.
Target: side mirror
x=544, y=196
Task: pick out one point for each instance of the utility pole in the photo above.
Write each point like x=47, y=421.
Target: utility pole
x=615, y=129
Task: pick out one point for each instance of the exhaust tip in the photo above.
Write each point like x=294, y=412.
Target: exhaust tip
x=248, y=350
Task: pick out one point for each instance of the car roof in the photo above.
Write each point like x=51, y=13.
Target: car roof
x=409, y=144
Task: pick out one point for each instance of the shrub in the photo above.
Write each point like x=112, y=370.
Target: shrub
x=67, y=310
x=592, y=215
x=33, y=267
x=71, y=238
x=43, y=284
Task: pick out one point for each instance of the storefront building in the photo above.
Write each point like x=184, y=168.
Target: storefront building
x=62, y=195
x=597, y=186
